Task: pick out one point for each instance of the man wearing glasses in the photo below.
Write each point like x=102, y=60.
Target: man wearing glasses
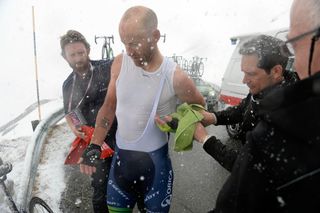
x=278, y=170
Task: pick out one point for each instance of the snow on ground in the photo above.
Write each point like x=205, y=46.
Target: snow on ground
x=50, y=178
x=50, y=181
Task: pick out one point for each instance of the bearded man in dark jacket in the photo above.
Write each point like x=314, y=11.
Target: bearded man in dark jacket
x=264, y=66
x=278, y=169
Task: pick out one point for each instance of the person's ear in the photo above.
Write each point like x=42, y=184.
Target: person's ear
x=88, y=51
x=277, y=72
x=156, y=35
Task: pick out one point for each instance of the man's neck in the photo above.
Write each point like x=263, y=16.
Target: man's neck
x=154, y=63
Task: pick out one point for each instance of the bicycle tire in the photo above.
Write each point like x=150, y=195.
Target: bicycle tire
x=104, y=53
x=111, y=56
x=36, y=205
x=185, y=65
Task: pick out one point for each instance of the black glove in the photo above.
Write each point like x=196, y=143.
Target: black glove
x=91, y=154
x=173, y=123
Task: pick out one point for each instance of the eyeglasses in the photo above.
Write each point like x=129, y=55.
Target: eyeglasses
x=288, y=45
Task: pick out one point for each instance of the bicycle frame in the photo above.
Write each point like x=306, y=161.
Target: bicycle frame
x=107, y=52
x=35, y=202
x=164, y=37
x=4, y=170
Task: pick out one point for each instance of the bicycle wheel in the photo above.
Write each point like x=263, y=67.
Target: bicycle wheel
x=111, y=56
x=185, y=65
x=38, y=205
x=104, y=53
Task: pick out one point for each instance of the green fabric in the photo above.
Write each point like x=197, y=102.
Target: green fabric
x=188, y=115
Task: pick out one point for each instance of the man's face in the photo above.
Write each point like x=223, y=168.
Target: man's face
x=76, y=55
x=256, y=78
x=300, y=24
x=139, y=45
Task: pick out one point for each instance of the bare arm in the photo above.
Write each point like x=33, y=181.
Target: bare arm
x=186, y=89
x=107, y=111
x=188, y=92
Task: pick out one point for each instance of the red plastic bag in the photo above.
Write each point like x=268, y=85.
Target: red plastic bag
x=79, y=145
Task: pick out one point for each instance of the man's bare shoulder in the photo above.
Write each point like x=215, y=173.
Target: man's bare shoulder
x=116, y=65
x=179, y=76
x=185, y=88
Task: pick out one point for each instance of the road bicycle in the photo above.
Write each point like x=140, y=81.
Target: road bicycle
x=107, y=51
x=197, y=66
x=177, y=59
x=36, y=204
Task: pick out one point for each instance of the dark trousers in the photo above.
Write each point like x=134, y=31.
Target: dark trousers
x=99, y=184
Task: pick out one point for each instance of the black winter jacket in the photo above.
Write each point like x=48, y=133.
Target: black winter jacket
x=277, y=170
x=94, y=98
x=245, y=115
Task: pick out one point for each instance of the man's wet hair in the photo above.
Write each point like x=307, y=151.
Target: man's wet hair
x=70, y=37
x=271, y=51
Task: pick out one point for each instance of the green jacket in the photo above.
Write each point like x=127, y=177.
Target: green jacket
x=188, y=115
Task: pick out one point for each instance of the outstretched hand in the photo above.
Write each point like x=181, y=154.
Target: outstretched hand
x=200, y=133
x=78, y=132
x=208, y=118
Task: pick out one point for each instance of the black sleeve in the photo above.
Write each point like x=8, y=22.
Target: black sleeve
x=66, y=91
x=65, y=100
x=220, y=152
x=250, y=188
x=232, y=115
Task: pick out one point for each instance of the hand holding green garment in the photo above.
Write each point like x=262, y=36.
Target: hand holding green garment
x=187, y=115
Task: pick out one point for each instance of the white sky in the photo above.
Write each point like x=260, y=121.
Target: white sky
x=193, y=27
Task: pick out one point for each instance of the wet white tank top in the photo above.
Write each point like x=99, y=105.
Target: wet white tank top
x=136, y=92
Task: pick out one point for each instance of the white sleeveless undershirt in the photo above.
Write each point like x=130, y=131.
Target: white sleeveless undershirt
x=136, y=90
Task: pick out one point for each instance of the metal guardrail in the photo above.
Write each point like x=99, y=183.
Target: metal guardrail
x=32, y=157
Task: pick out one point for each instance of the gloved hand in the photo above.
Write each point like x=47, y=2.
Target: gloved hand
x=173, y=123
x=167, y=123
x=91, y=154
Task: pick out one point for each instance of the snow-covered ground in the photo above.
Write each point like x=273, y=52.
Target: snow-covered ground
x=50, y=177
x=192, y=27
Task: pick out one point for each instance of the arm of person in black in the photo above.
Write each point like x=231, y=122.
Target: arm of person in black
x=233, y=114
x=249, y=187
x=220, y=152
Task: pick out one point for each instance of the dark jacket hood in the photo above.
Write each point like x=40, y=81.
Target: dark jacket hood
x=288, y=107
